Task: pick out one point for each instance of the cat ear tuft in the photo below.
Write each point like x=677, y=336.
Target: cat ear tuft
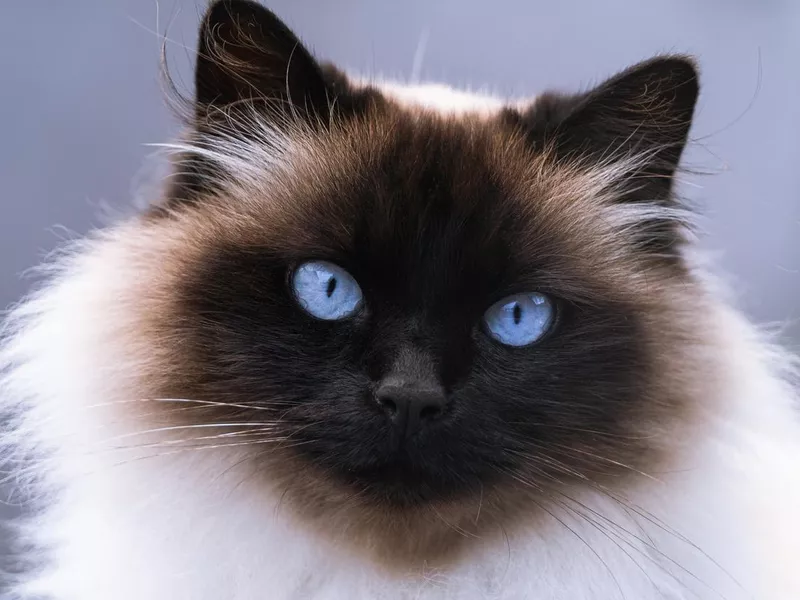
x=245, y=53
x=631, y=131
x=643, y=113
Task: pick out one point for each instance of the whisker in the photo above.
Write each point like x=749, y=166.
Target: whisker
x=203, y=447
x=185, y=427
x=655, y=521
x=647, y=544
x=229, y=435
x=570, y=529
x=37, y=468
x=452, y=526
x=583, y=430
x=608, y=535
x=626, y=505
x=608, y=460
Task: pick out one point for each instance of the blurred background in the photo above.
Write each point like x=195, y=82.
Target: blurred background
x=80, y=97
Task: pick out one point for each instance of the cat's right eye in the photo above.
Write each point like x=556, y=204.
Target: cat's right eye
x=326, y=291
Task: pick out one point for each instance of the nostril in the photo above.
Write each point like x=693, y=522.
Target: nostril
x=389, y=405
x=429, y=413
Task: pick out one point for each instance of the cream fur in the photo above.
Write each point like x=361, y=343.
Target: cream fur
x=437, y=97
x=127, y=522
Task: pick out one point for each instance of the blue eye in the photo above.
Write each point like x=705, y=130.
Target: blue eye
x=326, y=291
x=521, y=319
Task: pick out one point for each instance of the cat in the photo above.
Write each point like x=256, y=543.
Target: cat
x=377, y=341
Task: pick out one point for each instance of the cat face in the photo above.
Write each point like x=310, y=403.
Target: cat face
x=424, y=308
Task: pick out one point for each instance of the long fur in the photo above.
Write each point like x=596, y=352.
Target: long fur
x=125, y=512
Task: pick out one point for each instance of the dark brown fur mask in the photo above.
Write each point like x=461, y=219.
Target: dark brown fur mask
x=408, y=405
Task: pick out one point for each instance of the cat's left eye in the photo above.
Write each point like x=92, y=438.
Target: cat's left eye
x=326, y=291
x=520, y=320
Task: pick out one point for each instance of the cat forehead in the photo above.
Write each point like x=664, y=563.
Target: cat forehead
x=465, y=145
x=397, y=165
x=403, y=133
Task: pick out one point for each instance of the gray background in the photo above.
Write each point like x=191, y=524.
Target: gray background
x=80, y=96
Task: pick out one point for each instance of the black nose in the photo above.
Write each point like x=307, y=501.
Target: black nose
x=409, y=406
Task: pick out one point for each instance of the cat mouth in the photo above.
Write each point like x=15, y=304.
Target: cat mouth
x=401, y=484
x=404, y=478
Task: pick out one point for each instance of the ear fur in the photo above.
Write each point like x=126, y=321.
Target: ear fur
x=256, y=84
x=635, y=125
x=246, y=54
x=644, y=112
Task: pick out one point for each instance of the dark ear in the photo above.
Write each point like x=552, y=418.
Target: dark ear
x=247, y=61
x=645, y=111
x=246, y=53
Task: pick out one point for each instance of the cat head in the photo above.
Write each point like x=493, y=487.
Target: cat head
x=418, y=308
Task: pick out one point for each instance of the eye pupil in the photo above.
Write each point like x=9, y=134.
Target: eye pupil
x=331, y=287
x=326, y=291
x=521, y=319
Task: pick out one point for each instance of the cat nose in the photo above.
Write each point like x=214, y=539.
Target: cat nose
x=411, y=406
